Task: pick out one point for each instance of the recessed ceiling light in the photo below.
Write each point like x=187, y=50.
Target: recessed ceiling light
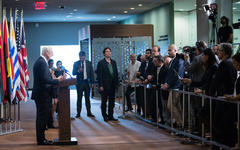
x=125, y=12
x=140, y=5
x=114, y=17
x=180, y=9
x=109, y=19
x=68, y=16
x=70, y=13
x=238, y=2
x=75, y=10
x=234, y=8
x=132, y=8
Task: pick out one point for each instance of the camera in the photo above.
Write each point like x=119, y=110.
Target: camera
x=191, y=51
x=212, y=9
x=236, y=25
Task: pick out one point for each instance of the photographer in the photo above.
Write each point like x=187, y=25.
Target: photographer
x=225, y=33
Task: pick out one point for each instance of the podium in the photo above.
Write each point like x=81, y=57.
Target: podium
x=64, y=119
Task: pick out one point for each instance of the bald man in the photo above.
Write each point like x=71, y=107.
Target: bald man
x=41, y=93
x=175, y=71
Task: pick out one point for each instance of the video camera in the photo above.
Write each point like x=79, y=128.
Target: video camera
x=236, y=25
x=212, y=9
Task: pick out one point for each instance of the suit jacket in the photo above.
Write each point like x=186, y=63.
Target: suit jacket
x=225, y=79
x=161, y=76
x=238, y=86
x=161, y=79
x=104, y=77
x=195, y=68
x=144, y=72
x=172, y=80
x=89, y=71
x=207, y=78
x=42, y=84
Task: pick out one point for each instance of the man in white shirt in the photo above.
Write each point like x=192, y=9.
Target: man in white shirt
x=133, y=68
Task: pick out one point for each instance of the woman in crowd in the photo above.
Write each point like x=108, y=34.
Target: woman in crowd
x=210, y=66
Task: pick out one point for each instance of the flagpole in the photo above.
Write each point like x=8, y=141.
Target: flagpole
x=15, y=100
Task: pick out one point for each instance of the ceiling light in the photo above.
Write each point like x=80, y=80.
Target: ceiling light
x=238, y=2
x=75, y=10
x=17, y=0
x=140, y=5
x=109, y=19
x=132, y=8
x=234, y=8
x=125, y=12
x=70, y=13
x=68, y=16
x=79, y=17
x=114, y=17
x=180, y=9
x=195, y=5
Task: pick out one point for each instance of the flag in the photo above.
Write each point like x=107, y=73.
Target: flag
x=2, y=67
x=9, y=64
x=23, y=63
x=14, y=58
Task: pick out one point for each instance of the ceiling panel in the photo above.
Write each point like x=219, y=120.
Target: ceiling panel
x=87, y=10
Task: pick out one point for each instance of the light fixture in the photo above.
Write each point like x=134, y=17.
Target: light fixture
x=75, y=10
x=68, y=16
x=109, y=19
x=234, y=8
x=125, y=12
x=70, y=13
x=132, y=8
x=140, y=5
x=17, y=0
x=180, y=9
x=238, y=2
x=114, y=17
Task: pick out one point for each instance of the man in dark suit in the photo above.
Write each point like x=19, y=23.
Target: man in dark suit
x=84, y=71
x=42, y=94
x=157, y=78
x=175, y=71
x=223, y=84
x=107, y=74
x=146, y=69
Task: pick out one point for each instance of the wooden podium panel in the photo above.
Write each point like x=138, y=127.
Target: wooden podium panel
x=64, y=119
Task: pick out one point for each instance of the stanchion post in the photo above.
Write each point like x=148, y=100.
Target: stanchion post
x=189, y=114
x=203, y=129
x=171, y=99
x=211, y=135
x=135, y=97
x=183, y=114
x=123, y=91
x=157, y=106
x=238, y=111
x=145, y=102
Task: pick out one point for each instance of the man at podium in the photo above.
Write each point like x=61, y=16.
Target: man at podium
x=41, y=93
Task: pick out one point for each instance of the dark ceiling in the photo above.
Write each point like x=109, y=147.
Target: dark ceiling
x=82, y=10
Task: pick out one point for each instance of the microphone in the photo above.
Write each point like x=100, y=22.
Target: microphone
x=65, y=70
